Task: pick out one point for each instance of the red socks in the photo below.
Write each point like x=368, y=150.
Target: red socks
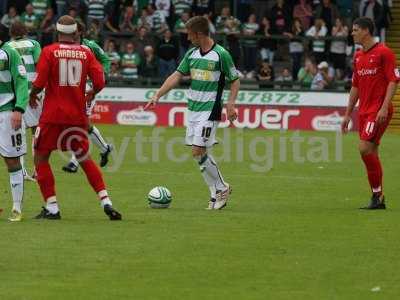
x=45, y=179
x=374, y=171
x=93, y=175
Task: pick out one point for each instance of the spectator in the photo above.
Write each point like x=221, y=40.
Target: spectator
x=338, y=48
x=163, y=6
x=322, y=79
x=114, y=72
x=180, y=29
x=280, y=17
x=74, y=13
x=130, y=61
x=93, y=32
x=149, y=65
x=303, y=11
x=317, y=31
x=128, y=20
x=48, y=27
x=211, y=26
x=96, y=10
x=145, y=20
x=327, y=12
x=113, y=15
x=111, y=51
x=387, y=19
x=182, y=6
x=296, y=47
x=221, y=19
x=157, y=19
x=10, y=18
x=265, y=75
x=285, y=75
x=202, y=7
x=168, y=52
x=229, y=25
x=307, y=73
x=267, y=44
x=143, y=39
x=250, y=45
x=31, y=21
x=285, y=79
x=40, y=8
x=61, y=6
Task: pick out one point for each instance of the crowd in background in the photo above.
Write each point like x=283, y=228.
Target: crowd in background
x=277, y=41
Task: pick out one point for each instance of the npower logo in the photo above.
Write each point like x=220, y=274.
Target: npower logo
x=331, y=122
x=247, y=118
x=136, y=117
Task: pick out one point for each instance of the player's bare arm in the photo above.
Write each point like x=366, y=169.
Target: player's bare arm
x=230, y=106
x=353, y=98
x=383, y=112
x=16, y=119
x=171, y=82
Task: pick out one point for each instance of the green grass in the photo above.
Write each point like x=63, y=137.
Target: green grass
x=291, y=233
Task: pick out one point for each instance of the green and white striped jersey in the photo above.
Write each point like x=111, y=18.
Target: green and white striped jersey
x=130, y=72
x=40, y=7
x=208, y=72
x=13, y=82
x=182, y=6
x=30, y=52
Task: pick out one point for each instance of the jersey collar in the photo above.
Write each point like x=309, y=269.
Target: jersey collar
x=376, y=44
x=205, y=53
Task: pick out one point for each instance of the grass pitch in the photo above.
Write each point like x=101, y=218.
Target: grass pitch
x=291, y=232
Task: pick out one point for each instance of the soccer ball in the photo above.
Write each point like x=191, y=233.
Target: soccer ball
x=159, y=197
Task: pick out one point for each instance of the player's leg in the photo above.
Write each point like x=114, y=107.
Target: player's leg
x=370, y=136
x=45, y=179
x=99, y=141
x=17, y=186
x=46, y=140
x=201, y=135
x=12, y=146
x=94, y=177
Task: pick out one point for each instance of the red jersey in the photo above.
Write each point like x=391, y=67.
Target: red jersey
x=372, y=72
x=63, y=69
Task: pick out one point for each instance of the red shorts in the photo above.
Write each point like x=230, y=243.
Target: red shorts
x=49, y=137
x=369, y=130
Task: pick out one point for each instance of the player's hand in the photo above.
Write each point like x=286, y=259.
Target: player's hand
x=381, y=117
x=16, y=120
x=33, y=100
x=152, y=103
x=345, y=124
x=231, y=112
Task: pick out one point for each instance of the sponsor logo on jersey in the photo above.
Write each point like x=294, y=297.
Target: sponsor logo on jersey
x=367, y=72
x=211, y=65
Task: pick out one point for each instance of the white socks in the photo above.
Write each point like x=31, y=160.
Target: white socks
x=17, y=189
x=74, y=160
x=104, y=199
x=51, y=205
x=97, y=139
x=211, y=174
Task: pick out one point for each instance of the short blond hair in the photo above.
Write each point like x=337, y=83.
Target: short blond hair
x=198, y=24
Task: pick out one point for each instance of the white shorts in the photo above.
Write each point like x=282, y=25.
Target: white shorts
x=201, y=133
x=12, y=142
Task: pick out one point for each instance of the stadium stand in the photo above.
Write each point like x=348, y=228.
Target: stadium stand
x=290, y=44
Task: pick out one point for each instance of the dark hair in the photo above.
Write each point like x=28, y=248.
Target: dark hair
x=198, y=24
x=18, y=29
x=365, y=23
